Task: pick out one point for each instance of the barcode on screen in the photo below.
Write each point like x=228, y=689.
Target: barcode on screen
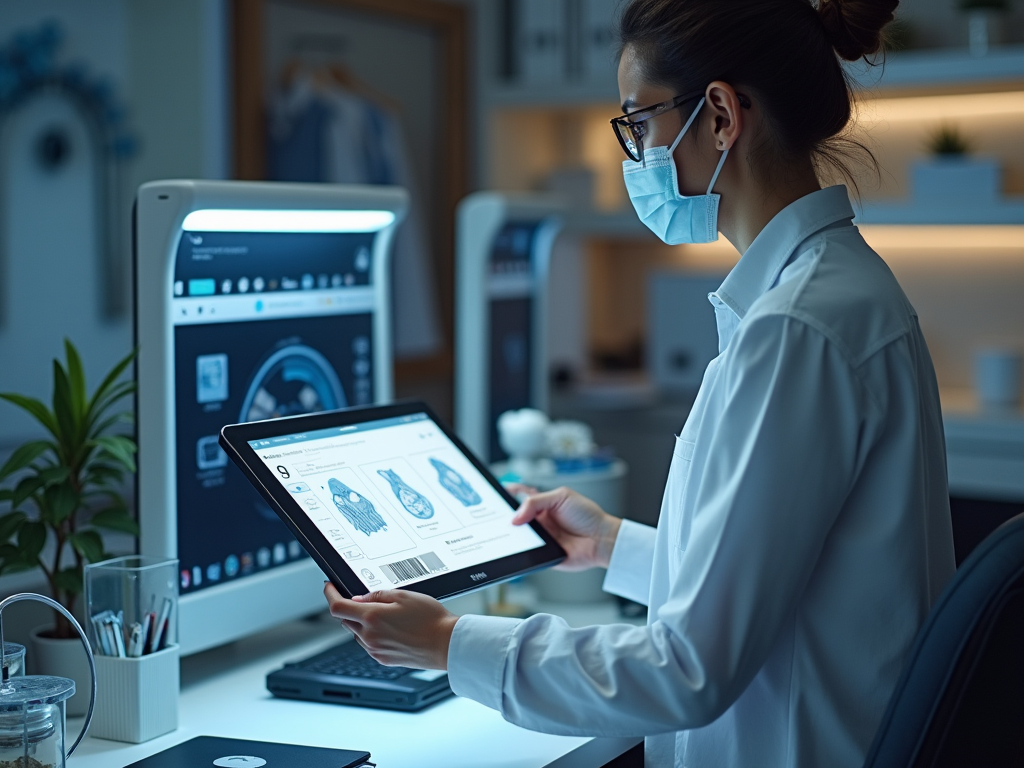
x=413, y=568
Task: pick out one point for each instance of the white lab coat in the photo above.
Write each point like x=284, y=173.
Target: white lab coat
x=803, y=537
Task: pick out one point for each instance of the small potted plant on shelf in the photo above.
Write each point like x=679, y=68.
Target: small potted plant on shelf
x=986, y=23
x=62, y=491
x=952, y=175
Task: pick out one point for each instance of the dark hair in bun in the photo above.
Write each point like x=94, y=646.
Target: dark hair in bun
x=786, y=53
x=854, y=27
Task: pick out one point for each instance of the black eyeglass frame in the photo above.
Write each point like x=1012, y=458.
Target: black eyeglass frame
x=634, y=121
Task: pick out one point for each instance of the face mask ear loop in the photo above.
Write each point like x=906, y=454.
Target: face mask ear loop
x=718, y=170
x=693, y=116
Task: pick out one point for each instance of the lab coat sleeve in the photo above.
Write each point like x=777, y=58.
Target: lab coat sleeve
x=629, y=571
x=781, y=458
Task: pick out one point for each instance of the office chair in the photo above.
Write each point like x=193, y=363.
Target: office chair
x=960, y=699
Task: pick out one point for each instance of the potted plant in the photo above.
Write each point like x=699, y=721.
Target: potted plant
x=986, y=23
x=952, y=175
x=63, y=490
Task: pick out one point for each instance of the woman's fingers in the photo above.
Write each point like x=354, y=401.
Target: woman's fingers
x=520, y=490
x=379, y=596
x=536, y=505
x=343, y=608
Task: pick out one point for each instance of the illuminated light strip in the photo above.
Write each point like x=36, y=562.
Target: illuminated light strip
x=946, y=107
x=970, y=238
x=236, y=220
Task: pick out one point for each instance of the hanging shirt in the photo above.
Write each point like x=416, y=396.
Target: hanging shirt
x=804, y=532
x=329, y=134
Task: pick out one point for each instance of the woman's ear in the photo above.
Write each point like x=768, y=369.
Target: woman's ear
x=725, y=108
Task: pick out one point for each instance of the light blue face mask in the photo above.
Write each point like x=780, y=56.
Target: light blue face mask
x=653, y=187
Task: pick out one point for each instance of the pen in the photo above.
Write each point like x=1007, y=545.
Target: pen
x=116, y=627
x=150, y=630
x=156, y=640
x=143, y=635
x=135, y=642
x=101, y=637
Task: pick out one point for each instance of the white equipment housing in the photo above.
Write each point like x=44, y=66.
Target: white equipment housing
x=282, y=286
x=503, y=250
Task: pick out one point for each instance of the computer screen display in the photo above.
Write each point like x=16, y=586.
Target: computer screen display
x=396, y=498
x=510, y=290
x=266, y=324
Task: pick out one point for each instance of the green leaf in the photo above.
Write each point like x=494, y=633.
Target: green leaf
x=124, y=417
x=99, y=474
x=10, y=524
x=12, y=561
x=24, y=456
x=120, y=448
x=76, y=379
x=54, y=475
x=25, y=489
x=104, y=404
x=61, y=502
x=115, y=519
x=31, y=540
x=108, y=382
x=35, y=407
x=89, y=545
x=16, y=565
x=69, y=580
x=62, y=408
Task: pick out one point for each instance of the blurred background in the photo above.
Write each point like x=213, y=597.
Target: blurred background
x=450, y=97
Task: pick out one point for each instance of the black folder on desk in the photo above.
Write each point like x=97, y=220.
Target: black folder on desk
x=208, y=751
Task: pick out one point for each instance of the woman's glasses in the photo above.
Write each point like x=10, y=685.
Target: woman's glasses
x=630, y=129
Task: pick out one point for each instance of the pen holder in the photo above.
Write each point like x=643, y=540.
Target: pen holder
x=132, y=605
x=138, y=698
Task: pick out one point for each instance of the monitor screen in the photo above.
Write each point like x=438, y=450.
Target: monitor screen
x=396, y=498
x=510, y=291
x=266, y=324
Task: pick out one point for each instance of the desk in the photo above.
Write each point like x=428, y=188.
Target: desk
x=223, y=694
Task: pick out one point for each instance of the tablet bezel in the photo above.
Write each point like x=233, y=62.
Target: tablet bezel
x=234, y=439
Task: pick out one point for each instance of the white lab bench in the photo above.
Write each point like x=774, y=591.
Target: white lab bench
x=223, y=694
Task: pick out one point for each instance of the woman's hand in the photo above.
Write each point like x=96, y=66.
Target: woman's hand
x=397, y=628
x=586, y=532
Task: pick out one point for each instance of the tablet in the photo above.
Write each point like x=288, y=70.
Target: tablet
x=387, y=497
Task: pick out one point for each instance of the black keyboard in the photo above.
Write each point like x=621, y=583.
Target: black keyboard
x=350, y=660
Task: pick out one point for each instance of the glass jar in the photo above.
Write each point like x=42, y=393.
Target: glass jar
x=32, y=722
x=14, y=659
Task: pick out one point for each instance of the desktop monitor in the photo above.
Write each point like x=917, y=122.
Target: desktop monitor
x=502, y=256
x=252, y=301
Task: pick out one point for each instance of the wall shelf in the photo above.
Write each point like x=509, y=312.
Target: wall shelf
x=1007, y=211
x=941, y=70
x=985, y=454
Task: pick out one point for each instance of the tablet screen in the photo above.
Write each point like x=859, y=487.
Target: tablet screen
x=396, y=498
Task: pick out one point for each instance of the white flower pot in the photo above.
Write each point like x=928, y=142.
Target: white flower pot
x=62, y=658
x=986, y=28
x=957, y=180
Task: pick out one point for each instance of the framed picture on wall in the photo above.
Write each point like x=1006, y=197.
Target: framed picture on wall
x=367, y=91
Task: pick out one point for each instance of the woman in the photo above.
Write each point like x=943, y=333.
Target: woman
x=805, y=527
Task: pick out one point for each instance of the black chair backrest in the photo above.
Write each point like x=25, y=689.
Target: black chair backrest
x=960, y=700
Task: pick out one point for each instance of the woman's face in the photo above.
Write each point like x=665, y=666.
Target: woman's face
x=695, y=161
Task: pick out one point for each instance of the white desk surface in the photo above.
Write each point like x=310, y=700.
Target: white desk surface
x=223, y=694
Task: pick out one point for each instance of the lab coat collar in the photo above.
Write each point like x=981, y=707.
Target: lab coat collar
x=759, y=268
